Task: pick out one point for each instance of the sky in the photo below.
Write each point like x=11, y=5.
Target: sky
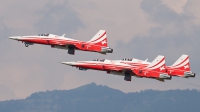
x=135, y=29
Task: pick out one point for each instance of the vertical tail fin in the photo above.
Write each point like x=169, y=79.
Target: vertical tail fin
x=100, y=39
x=182, y=63
x=158, y=64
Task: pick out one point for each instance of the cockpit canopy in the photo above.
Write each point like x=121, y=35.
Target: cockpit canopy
x=45, y=34
x=101, y=60
x=127, y=59
x=130, y=59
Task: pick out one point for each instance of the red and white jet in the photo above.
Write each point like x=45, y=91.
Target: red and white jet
x=181, y=68
x=155, y=70
x=98, y=43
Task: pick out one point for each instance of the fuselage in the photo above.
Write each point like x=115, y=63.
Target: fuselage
x=120, y=67
x=103, y=65
x=50, y=39
x=62, y=42
x=117, y=67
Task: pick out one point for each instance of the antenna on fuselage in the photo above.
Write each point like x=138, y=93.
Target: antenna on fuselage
x=146, y=60
x=63, y=35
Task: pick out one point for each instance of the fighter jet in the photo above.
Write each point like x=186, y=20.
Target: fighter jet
x=181, y=68
x=98, y=43
x=155, y=70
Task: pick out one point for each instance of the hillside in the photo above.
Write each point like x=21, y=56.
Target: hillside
x=97, y=98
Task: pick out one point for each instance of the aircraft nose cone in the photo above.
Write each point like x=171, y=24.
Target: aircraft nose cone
x=14, y=38
x=68, y=63
x=65, y=63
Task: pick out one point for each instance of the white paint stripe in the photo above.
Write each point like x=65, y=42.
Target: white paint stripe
x=57, y=39
x=157, y=60
x=159, y=65
x=180, y=60
x=155, y=64
x=181, y=65
x=99, y=34
x=99, y=40
x=96, y=38
x=108, y=64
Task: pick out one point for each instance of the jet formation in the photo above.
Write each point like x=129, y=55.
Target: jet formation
x=129, y=67
x=126, y=67
x=97, y=44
